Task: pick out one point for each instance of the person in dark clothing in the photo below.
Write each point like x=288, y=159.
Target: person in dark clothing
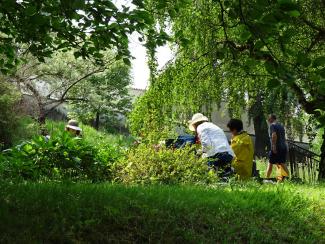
x=279, y=149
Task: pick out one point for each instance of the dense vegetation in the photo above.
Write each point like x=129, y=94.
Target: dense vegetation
x=257, y=56
x=62, y=157
x=97, y=157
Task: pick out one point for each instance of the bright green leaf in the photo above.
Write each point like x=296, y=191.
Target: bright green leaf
x=294, y=13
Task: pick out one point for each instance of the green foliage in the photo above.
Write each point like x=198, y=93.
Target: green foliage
x=247, y=53
x=92, y=136
x=102, y=97
x=96, y=93
x=89, y=27
x=88, y=213
x=146, y=120
x=272, y=34
x=9, y=98
x=152, y=165
x=27, y=128
x=62, y=157
x=230, y=58
x=317, y=142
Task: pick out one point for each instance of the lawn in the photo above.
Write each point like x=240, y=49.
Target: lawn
x=83, y=213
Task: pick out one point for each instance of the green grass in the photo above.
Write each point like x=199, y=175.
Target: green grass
x=261, y=165
x=83, y=213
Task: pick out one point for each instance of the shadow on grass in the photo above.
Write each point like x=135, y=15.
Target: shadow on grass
x=168, y=214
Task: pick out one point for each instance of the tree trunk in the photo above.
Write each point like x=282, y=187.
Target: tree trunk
x=96, y=122
x=262, y=141
x=321, y=175
x=41, y=118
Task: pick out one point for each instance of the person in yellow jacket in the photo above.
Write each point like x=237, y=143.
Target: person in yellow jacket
x=242, y=145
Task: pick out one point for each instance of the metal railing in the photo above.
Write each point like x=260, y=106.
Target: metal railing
x=303, y=164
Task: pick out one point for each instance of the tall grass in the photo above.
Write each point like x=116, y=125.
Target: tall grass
x=104, y=213
x=28, y=128
x=91, y=135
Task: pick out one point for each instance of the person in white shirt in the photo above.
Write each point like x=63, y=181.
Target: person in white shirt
x=215, y=145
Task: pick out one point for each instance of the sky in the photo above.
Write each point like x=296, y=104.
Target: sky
x=140, y=69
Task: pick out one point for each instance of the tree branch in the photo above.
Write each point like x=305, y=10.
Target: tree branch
x=99, y=70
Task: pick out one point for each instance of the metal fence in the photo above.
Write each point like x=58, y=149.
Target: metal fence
x=303, y=163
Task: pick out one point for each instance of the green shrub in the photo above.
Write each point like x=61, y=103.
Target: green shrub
x=62, y=157
x=148, y=165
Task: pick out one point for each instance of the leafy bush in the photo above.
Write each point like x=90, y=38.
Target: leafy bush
x=61, y=157
x=149, y=165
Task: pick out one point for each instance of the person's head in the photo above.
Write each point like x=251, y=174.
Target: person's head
x=235, y=126
x=272, y=118
x=196, y=120
x=73, y=127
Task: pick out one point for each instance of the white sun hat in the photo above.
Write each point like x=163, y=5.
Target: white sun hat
x=74, y=125
x=196, y=119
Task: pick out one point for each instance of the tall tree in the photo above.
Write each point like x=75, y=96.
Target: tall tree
x=103, y=97
x=50, y=82
x=278, y=43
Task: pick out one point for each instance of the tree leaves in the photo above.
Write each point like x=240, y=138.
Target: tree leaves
x=127, y=61
x=319, y=62
x=83, y=25
x=273, y=83
x=287, y=5
x=30, y=10
x=303, y=60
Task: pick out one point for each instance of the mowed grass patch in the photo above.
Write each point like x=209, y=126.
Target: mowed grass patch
x=82, y=213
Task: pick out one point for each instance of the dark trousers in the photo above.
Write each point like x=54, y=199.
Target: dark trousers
x=220, y=160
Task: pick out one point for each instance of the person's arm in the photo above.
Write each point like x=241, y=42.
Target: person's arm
x=274, y=140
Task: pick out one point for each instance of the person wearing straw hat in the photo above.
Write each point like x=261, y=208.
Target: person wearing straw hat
x=73, y=128
x=215, y=145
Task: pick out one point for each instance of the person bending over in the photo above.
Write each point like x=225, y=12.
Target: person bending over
x=242, y=145
x=214, y=142
x=278, y=153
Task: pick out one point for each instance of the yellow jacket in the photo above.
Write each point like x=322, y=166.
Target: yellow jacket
x=242, y=146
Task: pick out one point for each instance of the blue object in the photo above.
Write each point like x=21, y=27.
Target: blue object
x=181, y=141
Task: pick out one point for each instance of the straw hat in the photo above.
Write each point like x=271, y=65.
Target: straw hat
x=196, y=119
x=74, y=125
